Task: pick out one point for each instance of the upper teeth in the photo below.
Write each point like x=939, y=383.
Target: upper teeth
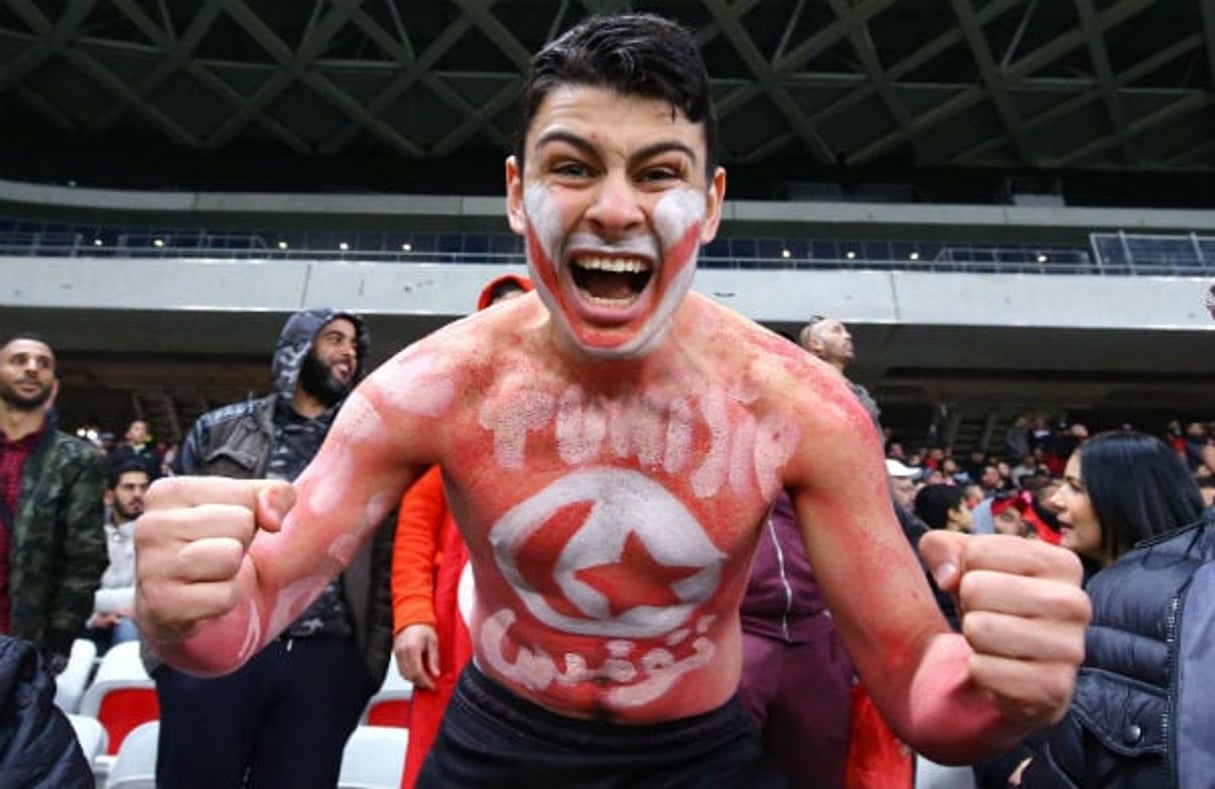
x=629, y=265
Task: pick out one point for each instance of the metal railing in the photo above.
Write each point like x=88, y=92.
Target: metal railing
x=1118, y=254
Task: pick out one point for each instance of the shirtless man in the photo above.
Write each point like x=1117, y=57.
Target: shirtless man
x=611, y=445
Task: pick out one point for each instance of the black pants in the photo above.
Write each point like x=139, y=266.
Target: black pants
x=492, y=738
x=281, y=720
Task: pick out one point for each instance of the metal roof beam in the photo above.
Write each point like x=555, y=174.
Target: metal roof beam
x=762, y=71
x=1207, y=7
x=412, y=71
x=862, y=43
x=52, y=38
x=1043, y=55
x=1105, y=72
x=1077, y=102
x=993, y=77
x=296, y=66
x=784, y=65
x=1191, y=103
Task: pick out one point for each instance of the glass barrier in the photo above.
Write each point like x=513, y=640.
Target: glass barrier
x=1107, y=253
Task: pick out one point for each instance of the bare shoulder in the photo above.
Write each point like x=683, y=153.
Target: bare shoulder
x=774, y=367
x=792, y=390
x=437, y=373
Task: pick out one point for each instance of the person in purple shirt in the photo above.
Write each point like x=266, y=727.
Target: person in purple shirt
x=797, y=679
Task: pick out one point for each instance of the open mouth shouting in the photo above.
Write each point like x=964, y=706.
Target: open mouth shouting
x=612, y=282
x=615, y=297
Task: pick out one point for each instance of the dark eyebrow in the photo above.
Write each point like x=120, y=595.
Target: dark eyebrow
x=590, y=149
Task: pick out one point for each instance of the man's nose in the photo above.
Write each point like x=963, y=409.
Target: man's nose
x=615, y=208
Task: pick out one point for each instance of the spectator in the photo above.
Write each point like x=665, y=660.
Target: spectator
x=1017, y=439
x=830, y=340
x=796, y=679
x=51, y=488
x=902, y=483
x=137, y=446
x=943, y=507
x=113, y=603
x=283, y=719
x=1133, y=714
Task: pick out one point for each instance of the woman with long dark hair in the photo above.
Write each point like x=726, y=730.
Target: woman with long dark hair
x=1132, y=511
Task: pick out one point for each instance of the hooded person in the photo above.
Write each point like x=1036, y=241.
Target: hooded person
x=284, y=717
x=432, y=589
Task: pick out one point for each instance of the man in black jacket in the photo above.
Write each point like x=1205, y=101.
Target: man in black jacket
x=283, y=719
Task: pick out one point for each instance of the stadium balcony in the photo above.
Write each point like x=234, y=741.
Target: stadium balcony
x=979, y=309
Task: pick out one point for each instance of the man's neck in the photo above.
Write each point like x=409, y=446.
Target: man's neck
x=17, y=424
x=306, y=405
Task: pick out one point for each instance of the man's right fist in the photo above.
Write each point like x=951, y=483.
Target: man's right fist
x=190, y=546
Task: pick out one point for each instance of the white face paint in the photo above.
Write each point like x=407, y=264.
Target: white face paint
x=637, y=543
x=620, y=332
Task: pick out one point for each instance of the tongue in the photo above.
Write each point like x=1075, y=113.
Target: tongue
x=607, y=284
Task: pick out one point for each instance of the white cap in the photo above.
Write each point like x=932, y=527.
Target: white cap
x=899, y=471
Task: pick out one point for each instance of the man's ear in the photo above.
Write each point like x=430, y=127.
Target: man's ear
x=714, y=196
x=516, y=215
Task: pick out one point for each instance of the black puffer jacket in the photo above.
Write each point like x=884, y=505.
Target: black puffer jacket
x=38, y=746
x=1121, y=729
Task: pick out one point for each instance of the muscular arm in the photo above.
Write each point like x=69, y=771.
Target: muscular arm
x=939, y=693
x=374, y=450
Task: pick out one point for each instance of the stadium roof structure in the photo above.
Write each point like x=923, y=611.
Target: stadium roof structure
x=847, y=99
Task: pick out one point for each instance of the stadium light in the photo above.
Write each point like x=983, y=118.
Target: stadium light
x=786, y=254
x=1042, y=257
x=343, y=246
x=914, y=256
x=282, y=245
x=850, y=255
x=407, y=247
x=97, y=242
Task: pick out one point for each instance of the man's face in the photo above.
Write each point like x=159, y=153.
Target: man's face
x=613, y=204
x=328, y=371
x=27, y=374
x=831, y=342
x=336, y=348
x=128, y=495
x=137, y=433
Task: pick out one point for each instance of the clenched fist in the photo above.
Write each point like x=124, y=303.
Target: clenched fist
x=190, y=548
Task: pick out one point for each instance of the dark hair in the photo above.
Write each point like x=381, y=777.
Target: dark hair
x=933, y=503
x=1138, y=488
x=633, y=54
x=125, y=467
x=27, y=335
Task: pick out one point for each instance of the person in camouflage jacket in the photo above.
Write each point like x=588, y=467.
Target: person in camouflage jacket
x=55, y=543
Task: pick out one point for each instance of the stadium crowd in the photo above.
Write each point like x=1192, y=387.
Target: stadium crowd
x=608, y=478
